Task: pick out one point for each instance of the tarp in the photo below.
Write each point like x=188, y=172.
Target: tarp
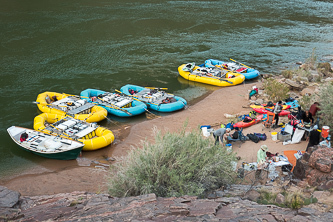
x=298, y=134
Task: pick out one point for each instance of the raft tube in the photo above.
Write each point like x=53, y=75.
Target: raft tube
x=249, y=73
x=99, y=138
x=96, y=113
x=161, y=107
x=187, y=74
x=136, y=107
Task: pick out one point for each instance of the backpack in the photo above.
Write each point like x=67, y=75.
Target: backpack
x=261, y=136
x=253, y=137
x=270, y=103
x=230, y=125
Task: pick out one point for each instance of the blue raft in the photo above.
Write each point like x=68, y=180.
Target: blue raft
x=155, y=99
x=248, y=72
x=118, y=105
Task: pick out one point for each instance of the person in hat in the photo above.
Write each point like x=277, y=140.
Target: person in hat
x=253, y=92
x=261, y=160
x=219, y=134
x=313, y=138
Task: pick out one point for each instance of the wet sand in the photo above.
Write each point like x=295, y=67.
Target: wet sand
x=79, y=176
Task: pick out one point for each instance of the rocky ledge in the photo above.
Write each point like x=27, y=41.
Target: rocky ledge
x=82, y=206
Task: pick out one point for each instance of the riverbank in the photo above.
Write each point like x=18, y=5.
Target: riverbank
x=93, y=178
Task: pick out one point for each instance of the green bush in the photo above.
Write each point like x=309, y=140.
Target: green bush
x=326, y=105
x=176, y=164
x=275, y=90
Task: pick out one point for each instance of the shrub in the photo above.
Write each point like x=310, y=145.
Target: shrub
x=176, y=164
x=275, y=90
x=326, y=105
x=294, y=200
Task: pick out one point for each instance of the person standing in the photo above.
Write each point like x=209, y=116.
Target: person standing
x=314, y=108
x=261, y=160
x=277, y=110
x=313, y=138
x=218, y=134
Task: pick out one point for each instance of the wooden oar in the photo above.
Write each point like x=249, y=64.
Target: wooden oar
x=156, y=88
x=240, y=63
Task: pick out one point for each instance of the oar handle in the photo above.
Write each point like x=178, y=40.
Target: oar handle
x=240, y=63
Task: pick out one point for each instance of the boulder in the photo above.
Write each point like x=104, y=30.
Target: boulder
x=8, y=198
x=252, y=195
x=293, y=84
x=279, y=199
x=325, y=69
x=307, y=91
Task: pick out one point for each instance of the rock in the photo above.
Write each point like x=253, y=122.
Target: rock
x=329, y=79
x=325, y=69
x=299, y=63
x=324, y=165
x=252, y=195
x=8, y=198
x=279, y=199
x=304, y=79
x=306, y=211
x=265, y=76
x=307, y=91
x=259, y=101
x=293, y=84
x=179, y=209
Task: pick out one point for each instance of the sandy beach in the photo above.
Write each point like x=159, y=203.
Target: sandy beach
x=208, y=111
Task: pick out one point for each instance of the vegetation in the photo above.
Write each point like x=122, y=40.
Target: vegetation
x=183, y=163
x=294, y=200
x=326, y=105
x=275, y=90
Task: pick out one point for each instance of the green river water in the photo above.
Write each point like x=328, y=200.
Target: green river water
x=68, y=46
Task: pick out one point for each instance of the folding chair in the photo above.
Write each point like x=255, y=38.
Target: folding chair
x=269, y=121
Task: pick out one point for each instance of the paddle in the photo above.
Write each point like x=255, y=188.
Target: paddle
x=156, y=88
x=240, y=63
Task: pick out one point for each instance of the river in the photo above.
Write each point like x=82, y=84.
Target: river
x=68, y=46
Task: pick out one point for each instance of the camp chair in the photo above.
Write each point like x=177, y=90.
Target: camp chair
x=269, y=121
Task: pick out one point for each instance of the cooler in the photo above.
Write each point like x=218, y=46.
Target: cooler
x=288, y=131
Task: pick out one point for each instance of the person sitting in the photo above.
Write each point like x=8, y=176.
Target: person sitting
x=54, y=98
x=47, y=99
x=219, y=134
x=314, y=108
x=326, y=142
x=307, y=118
x=234, y=136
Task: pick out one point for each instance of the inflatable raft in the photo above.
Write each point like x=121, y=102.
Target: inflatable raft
x=248, y=72
x=264, y=111
x=65, y=105
x=243, y=124
x=269, y=108
x=155, y=99
x=212, y=76
x=116, y=104
x=90, y=134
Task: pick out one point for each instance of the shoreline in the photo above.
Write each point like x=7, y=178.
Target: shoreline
x=209, y=110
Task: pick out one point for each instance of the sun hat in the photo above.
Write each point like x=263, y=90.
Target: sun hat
x=228, y=129
x=315, y=127
x=264, y=147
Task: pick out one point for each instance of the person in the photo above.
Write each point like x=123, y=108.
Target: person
x=326, y=142
x=277, y=110
x=54, y=98
x=313, y=138
x=234, y=136
x=261, y=160
x=253, y=92
x=307, y=118
x=47, y=99
x=314, y=108
x=218, y=134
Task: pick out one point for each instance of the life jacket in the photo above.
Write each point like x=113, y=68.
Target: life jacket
x=93, y=98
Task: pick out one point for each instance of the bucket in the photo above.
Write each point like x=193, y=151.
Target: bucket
x=274, y=136
x=229, y=147
x=325, y=131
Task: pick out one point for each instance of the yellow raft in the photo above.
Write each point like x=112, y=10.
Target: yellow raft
x=195, y=73
x=66, y=105
x=97, y=137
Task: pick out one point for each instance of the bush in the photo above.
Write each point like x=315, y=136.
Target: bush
x=275, y=90
x=326, y=105
x=177, y=164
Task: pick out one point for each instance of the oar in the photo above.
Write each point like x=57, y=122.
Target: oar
x=156, y=88
x=134, y=97
x=115, y=107
x=47, y=104
x=240, y=63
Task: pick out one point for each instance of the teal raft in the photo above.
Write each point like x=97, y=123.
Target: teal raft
x=155, y=99
x=116, y=104
x=234, y=66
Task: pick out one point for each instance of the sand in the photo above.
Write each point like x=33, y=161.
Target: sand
x=209, y=111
